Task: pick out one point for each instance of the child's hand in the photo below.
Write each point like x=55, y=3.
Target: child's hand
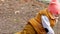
x=56, y=19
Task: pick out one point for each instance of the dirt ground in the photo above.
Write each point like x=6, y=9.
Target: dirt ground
x=14, y=15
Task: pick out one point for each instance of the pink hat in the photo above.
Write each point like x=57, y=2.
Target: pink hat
x=54, y=7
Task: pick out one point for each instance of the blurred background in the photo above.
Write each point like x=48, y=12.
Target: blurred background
x=14, y=14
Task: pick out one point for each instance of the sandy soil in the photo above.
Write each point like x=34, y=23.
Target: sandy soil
x=14, y=14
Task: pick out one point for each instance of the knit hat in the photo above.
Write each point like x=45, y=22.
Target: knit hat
x=54, y=7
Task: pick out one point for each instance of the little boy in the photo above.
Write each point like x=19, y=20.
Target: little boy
x=44, y=20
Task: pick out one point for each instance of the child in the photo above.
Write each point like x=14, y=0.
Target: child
x=44, y=20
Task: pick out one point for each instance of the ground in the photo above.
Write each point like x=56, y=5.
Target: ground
x=14, y=14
